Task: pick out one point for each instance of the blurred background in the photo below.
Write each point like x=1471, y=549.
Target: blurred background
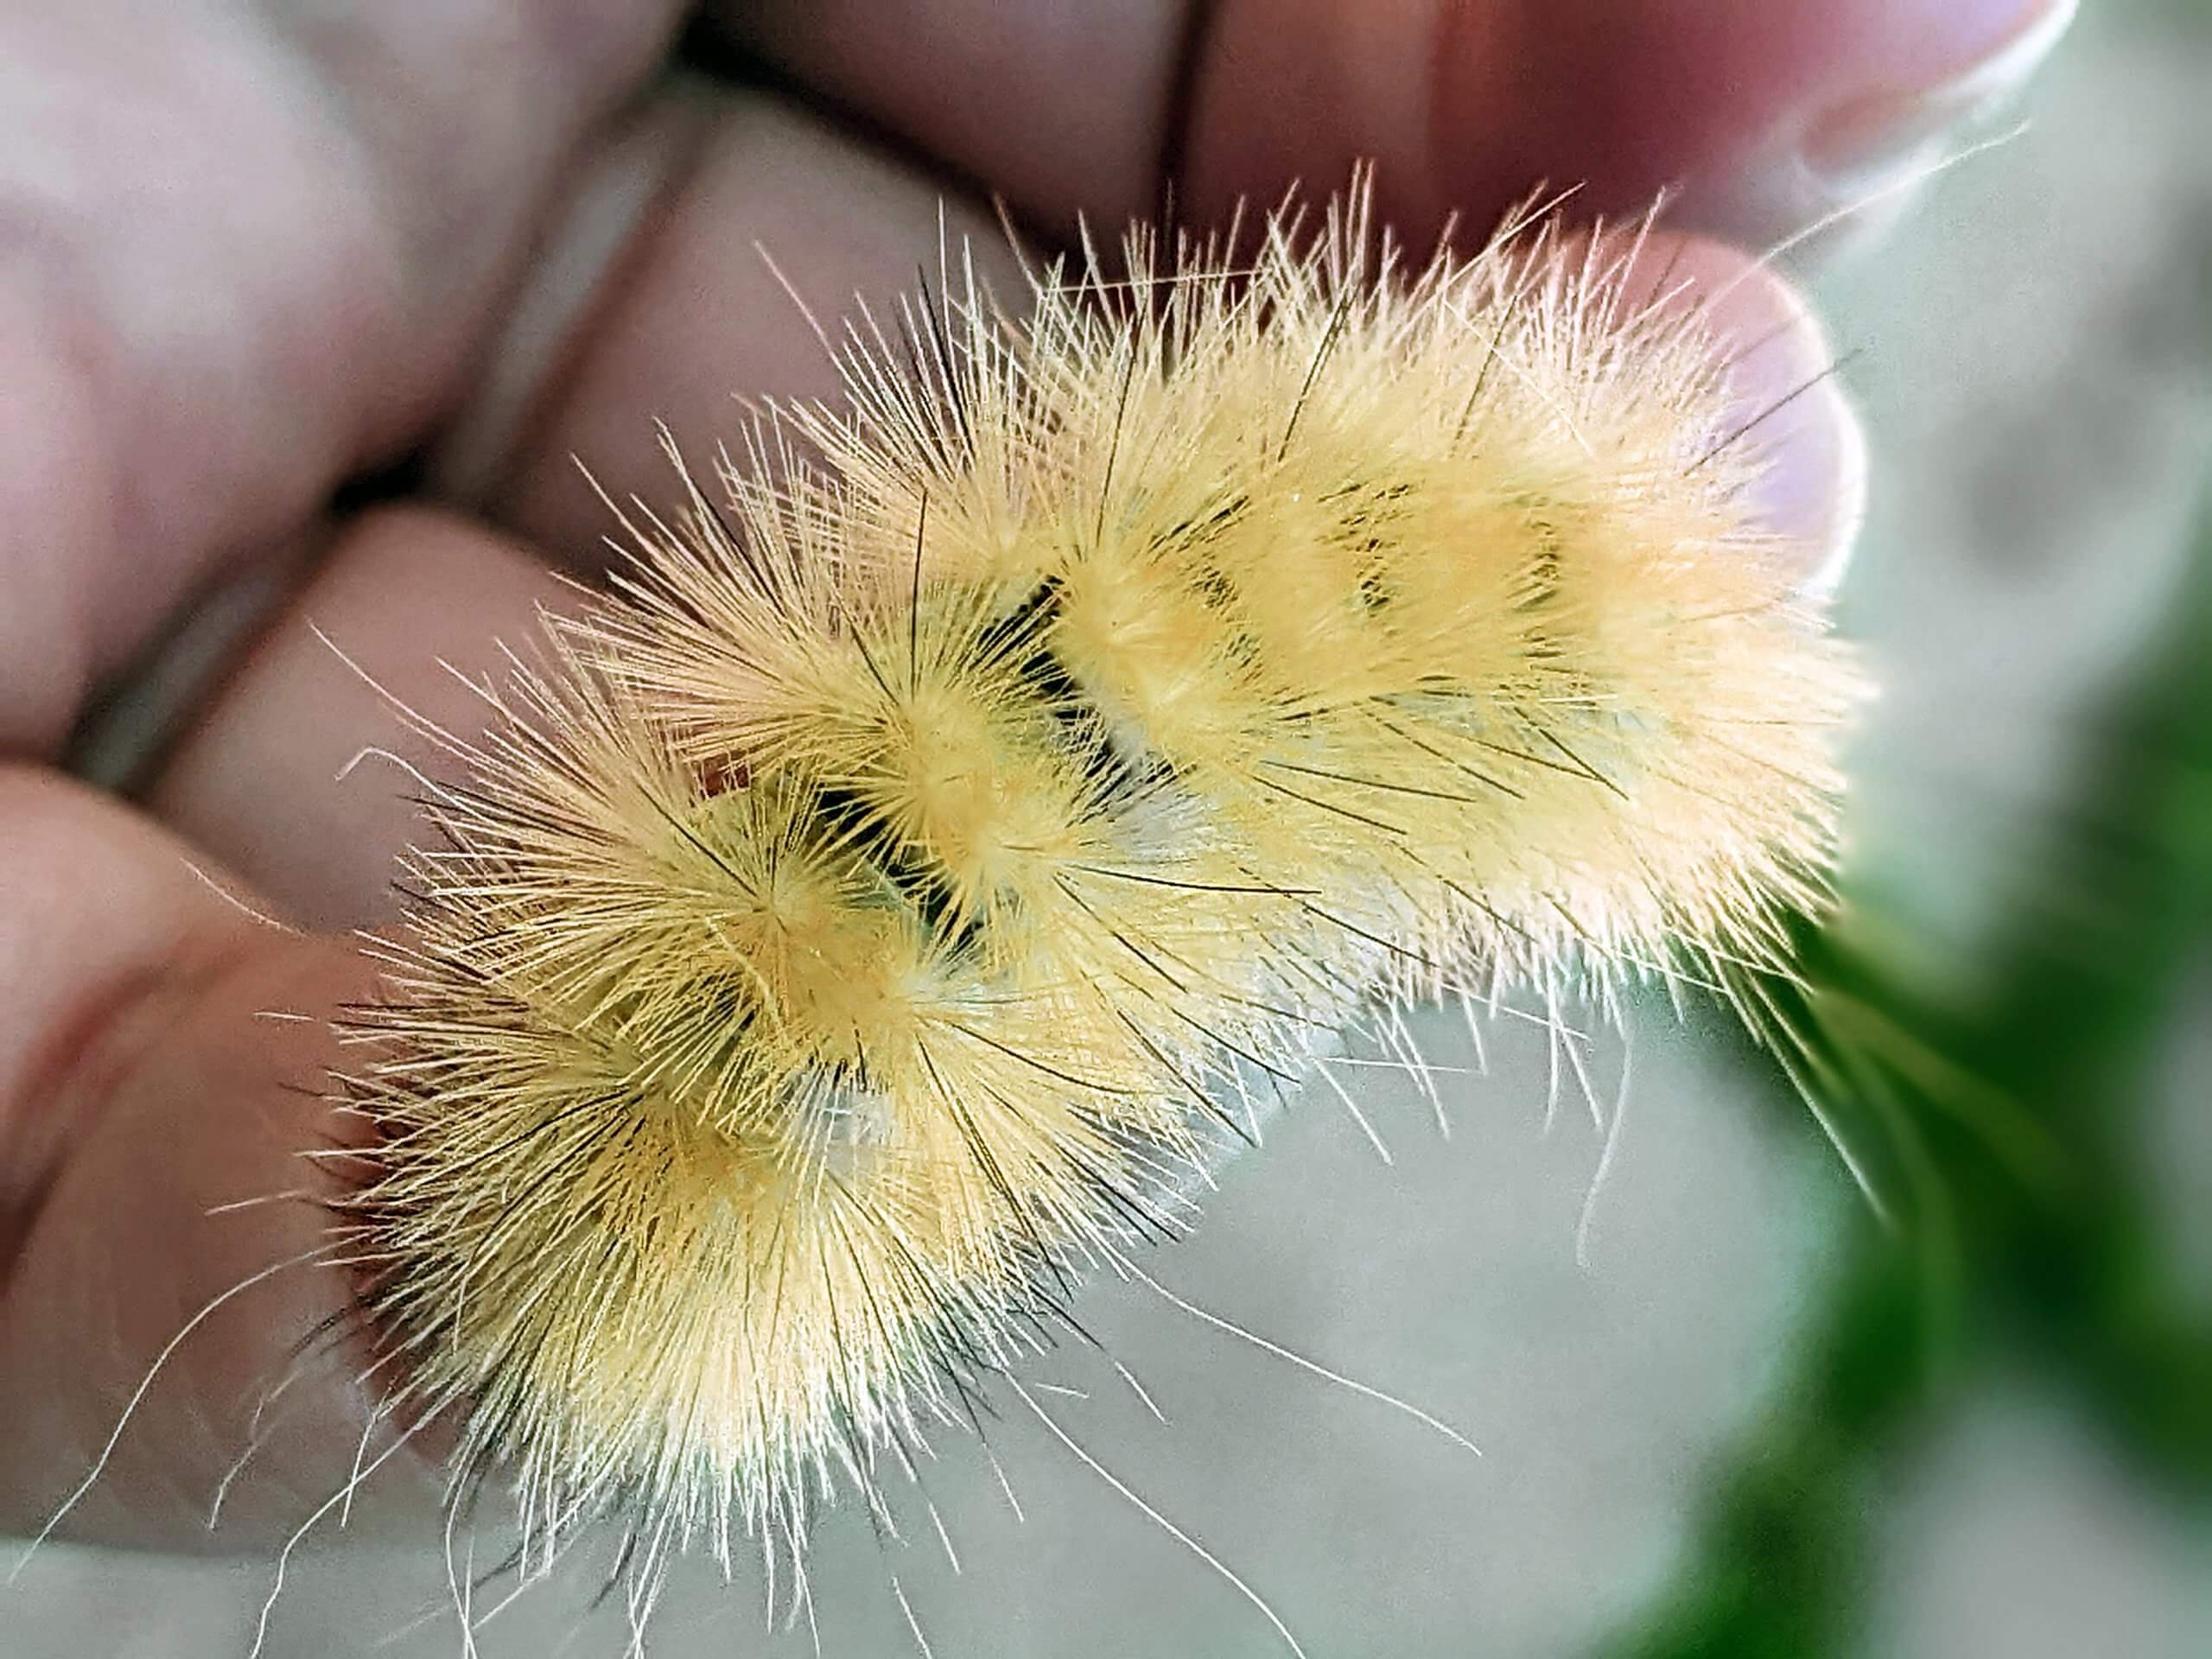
x=1723, y=1410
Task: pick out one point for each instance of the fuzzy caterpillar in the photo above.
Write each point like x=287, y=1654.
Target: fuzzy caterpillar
x=872, y=915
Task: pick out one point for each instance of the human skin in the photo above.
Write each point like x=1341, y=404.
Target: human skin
x=249, y=251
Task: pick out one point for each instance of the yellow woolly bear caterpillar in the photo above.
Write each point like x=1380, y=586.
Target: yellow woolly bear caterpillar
x=874, y=914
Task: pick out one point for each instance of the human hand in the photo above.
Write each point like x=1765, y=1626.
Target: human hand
x=254, y=252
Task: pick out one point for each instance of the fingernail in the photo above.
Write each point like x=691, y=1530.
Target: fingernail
x=1810, y=486
x=1788, y=416
x=1863, y=145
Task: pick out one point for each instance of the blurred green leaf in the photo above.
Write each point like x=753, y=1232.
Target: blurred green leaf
x=1998, y=1130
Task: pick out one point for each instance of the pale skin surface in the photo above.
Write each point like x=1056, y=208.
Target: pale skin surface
x=248, y=250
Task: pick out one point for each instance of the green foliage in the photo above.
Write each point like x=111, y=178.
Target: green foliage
x=2003, y=1123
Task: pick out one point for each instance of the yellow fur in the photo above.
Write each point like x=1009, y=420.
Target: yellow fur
x=874, y=915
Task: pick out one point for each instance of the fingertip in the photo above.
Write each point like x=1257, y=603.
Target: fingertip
x=1803, y=430
x=1788, y=407
x=411, y=604
x=176, y=1312
x=1834, y=537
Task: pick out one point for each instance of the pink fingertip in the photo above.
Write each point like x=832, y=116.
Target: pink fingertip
x=1789, y=406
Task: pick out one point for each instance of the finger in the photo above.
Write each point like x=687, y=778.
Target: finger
x=695, y=312
x=1058, y=107
x=247, y=251
x=1770, y=115
x=300, y=775
x=140, y=1091
x=1469, y=105
x=1787, y=405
